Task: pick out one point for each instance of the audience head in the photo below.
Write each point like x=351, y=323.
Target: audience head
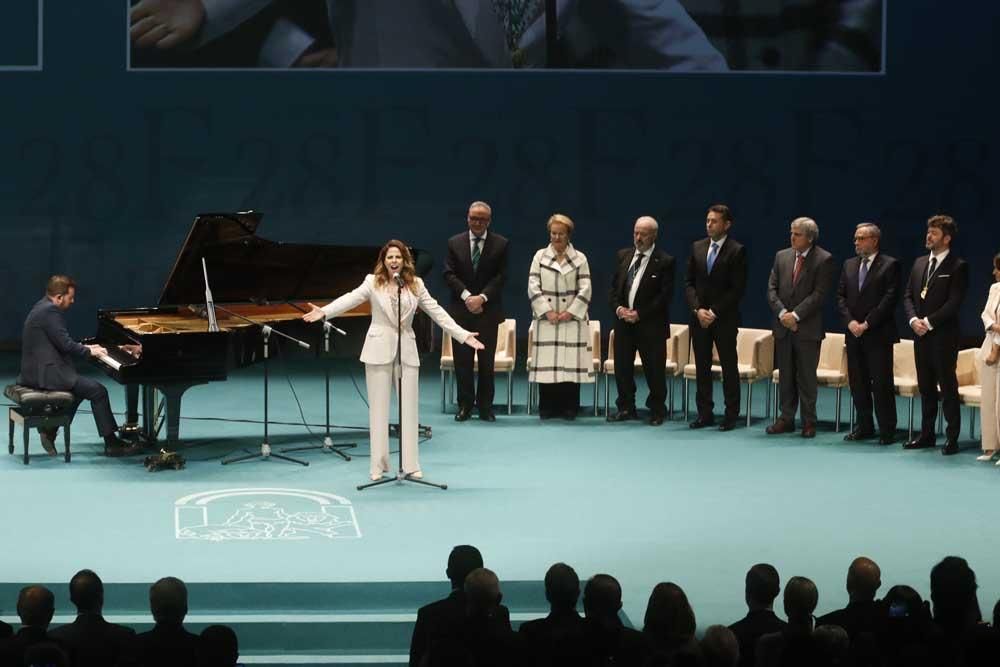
x=864, y=578
x=602, y=597
x=562, y=587
x=762, y=586
x=462, y=560
x=86, y=591
x=719, y=647
x=953, y=593
x=218, y=647
x=669, y=617
x=833, y=644
x=482, y=592
x=996, y=616
x=801, y=598
x=168, y=601
x=35, y=606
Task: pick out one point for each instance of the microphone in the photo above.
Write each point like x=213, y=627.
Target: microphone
x=398, y=279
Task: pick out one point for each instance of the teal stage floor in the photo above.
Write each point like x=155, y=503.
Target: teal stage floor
x=644, y=504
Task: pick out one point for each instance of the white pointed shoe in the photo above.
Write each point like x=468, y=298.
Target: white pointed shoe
x=416, y=475
x=986, y=456
x=375, y=476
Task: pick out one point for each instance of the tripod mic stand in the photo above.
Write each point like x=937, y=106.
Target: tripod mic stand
x=400, y=476
x=327, y=445
x=265, y=447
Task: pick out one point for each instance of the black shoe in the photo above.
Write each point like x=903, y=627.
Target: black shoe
x=701, y=422
x=48, y=438
x=950, y=448
x=487, y=416
x=727, y=425
x=463, y=415
x=115, y=446
x=623, y=415
x=858, y=434
x=569, y=415
x=887, y=438
x=545, y=414
x=920, y=443
x=655, y=420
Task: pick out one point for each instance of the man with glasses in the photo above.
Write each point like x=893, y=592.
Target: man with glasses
x=475, y=270
x=867, y=295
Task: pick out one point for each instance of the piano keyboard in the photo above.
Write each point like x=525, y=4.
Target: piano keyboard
x=104, y=359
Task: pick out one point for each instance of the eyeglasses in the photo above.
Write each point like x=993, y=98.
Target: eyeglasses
x=476, y=218
x=862, y=238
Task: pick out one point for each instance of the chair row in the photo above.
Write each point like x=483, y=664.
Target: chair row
x=755, y=357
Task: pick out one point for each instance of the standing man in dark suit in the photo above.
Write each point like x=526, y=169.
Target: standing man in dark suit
x=866, y=298
x=47, y=353
x=800, y=279
x=932, y=301
x=475, y=271
x=92, y=640
x=640, y=299
x=713, y=286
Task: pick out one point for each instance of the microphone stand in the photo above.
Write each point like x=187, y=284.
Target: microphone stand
x=400, y=476
x=327, y=446
x=265, y=447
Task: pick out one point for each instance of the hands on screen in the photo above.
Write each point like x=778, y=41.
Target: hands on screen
x=165, y=24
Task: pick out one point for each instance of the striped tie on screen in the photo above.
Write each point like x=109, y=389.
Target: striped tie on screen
x=516, y=16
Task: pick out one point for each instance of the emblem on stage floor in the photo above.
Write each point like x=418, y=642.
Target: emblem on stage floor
x=264, y=514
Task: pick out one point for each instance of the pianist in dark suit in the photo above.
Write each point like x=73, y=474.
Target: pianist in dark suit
x=379, y=352
x=47, y=354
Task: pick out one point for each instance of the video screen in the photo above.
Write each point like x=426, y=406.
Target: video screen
x=833, y=36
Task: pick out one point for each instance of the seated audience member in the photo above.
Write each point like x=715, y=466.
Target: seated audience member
x=436, y=618
x=719, y=647
x=608, y=640
x=483, y=638
x=762, y=586
x=863, y=612
x=47, y=654
x=35, y=607
x=669, y=624
x=218, y=647
x=960, y=637
x=794, y=645
x=168, y=644
x=5, y=630
x=903, y=640
x=93, y=641
x=557, y=639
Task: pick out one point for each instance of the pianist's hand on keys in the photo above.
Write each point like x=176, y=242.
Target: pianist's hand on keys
x=97, y=350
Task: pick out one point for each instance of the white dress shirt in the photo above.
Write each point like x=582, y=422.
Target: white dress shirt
x=937, y=265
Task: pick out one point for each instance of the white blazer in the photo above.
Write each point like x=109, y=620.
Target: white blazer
x=380, y=342
x=990, y=316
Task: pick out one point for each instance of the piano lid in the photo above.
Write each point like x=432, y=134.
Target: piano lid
x=244, y=267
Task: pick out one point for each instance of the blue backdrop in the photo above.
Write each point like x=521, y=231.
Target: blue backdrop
x=102, y=169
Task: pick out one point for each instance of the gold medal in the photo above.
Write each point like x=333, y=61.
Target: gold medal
x=923, y=293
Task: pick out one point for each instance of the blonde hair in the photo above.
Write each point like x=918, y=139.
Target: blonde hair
x=560, y=219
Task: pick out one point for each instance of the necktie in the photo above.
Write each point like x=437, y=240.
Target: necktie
x=633, y=271
x=713, y=254
x=798, y=269
x=475, y=251
x=516, y=16
x=863, y=273
x=930, y=271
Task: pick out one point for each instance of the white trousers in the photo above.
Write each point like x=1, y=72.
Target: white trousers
x=989, y=407
x=381, y=379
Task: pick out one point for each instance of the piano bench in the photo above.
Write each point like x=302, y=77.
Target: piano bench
x=37, y=408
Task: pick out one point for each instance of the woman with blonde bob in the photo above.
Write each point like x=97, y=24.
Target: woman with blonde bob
x=380, y=289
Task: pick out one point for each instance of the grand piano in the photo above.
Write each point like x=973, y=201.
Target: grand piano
x=168, y=348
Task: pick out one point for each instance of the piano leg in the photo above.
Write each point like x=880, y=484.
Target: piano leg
x=130, y=429
x=172, y=394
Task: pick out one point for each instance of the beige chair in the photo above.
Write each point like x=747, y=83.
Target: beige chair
x=754, y=358
x=595, y=343
x=970, y=390
x=677, y=355
x=503, y=362
x=831, y=371
x=904, y=375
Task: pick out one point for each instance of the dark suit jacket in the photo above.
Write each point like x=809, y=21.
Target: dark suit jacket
x=752, y=627
x=652, y=297
x=806, y=296
x=858, y=617
x=164, y=646
x=722, y=290
x=554, y=641
x=614, y=644
x=5, y=630
x=875, y=302
x=479, y=641
x=436, y=620
x=945, y=293
x=13, y=648
x=47, y=350
x=487, y=279
x=94, y=641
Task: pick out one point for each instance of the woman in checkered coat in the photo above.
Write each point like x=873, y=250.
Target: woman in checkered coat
x=559, y=289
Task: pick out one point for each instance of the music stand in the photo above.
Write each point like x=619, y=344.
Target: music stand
x=400, y=477
x=265, y=447
x=327, y=446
